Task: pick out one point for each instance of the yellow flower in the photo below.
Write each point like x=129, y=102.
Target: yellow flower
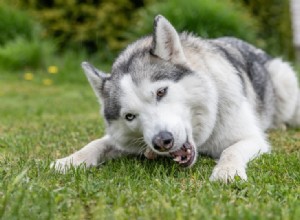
x=47, y=82
x=28, y=76
x=52, y=69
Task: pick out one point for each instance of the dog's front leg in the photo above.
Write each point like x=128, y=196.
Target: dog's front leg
x=234, y=159
x=92, y=154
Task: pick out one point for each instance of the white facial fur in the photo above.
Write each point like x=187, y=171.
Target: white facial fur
x=152, y=116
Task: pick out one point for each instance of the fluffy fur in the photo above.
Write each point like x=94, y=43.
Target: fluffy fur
x=172, y=93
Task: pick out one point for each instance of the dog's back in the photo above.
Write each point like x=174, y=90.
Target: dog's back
x=273, y=80
x=270, y=84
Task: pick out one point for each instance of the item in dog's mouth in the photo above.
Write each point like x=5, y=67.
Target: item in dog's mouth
x=185, y=155
x=149, y=154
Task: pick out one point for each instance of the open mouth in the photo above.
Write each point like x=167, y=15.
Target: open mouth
x=185, y=155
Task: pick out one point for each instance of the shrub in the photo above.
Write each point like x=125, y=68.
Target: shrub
x=207, y=18
x=94, y=25
x=107, y=26
x=21, y=44
x=276, y=28
x=22, y=53
x=14, y=24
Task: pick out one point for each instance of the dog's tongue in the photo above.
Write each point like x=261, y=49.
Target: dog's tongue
x=185, y=155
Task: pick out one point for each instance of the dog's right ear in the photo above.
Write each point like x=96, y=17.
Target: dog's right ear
x=96, y=78
x=166, y=42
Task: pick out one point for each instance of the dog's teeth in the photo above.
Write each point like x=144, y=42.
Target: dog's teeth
x=187, y=158
x=183, y=161
x=188, y=151
x=177, y=158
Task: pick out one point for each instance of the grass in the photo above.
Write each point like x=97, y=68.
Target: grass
x=40, y=123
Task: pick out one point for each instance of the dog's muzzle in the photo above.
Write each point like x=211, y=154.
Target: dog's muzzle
x=164, y=141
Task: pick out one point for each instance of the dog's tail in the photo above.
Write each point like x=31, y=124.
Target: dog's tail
x=287, y=101
x=295, y=120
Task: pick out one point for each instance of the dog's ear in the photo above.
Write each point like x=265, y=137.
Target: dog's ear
x=166, y=43
x=96, y=78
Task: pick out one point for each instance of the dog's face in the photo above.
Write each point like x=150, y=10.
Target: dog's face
x=142, y=100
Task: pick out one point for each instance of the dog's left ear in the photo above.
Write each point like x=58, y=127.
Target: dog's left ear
x=166, y=43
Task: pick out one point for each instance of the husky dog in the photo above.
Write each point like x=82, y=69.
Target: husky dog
x=179, y=95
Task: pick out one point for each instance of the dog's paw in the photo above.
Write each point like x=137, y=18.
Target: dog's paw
x=75, y=160
x=227, y=172
x=62, y=165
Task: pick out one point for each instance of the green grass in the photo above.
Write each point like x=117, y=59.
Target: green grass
x=40, y=123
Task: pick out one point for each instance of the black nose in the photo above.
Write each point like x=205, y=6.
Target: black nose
x=163, y=141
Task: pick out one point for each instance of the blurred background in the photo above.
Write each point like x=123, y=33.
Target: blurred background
x=56, y=35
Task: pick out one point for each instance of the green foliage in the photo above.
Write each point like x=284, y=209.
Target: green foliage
x=14, y=24
x=22, y=53
x=21, y=44
x=207, y=18
x=108, y=26
x=275, y=19
x=96, y=25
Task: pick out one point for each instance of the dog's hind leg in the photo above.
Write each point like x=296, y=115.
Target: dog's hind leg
x=94, y=153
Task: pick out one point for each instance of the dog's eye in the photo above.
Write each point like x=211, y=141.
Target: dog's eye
x=161, y=92
x=129, y=117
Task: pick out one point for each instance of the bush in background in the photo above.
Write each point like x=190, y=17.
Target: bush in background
x=14, y=24
x=107, y=26
x=275, y=20
x=95, y=25
x=206, y=18
x=22, y=53
x=21, y=45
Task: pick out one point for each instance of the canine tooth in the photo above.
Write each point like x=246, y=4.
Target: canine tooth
x=188, y=151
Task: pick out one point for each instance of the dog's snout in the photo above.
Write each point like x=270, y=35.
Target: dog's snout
x=163, y=141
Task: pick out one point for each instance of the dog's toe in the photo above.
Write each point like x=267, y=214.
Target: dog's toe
x=226, y=173
x=61, y=165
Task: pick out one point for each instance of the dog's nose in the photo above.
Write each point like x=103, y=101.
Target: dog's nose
x=163, y=141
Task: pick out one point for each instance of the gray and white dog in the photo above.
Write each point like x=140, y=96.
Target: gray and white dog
x=179, y=95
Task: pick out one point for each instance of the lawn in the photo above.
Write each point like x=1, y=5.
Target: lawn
x=44, y=120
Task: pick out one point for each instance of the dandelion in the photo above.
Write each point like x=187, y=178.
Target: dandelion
x=28, y=76
x=52, y=69
x=47, y=82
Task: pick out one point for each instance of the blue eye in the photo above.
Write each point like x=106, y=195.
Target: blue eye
x=129, y=117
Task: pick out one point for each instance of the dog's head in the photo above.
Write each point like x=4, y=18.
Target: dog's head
x=148, y=97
